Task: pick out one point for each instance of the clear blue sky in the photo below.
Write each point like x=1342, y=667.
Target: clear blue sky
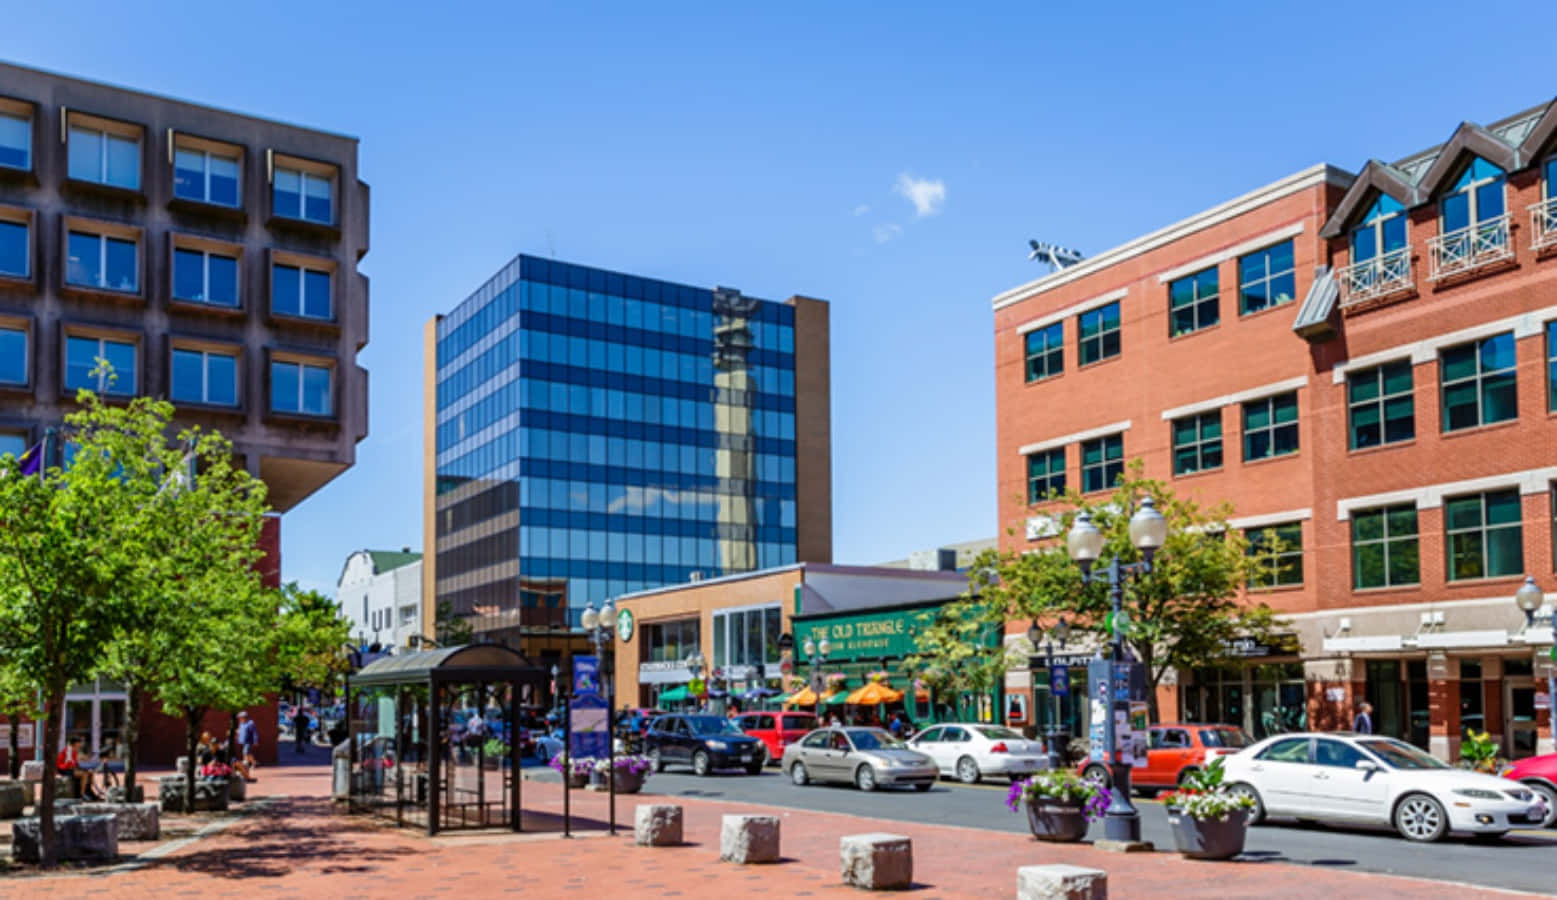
x=761, y=150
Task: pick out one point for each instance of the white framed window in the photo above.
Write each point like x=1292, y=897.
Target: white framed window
x=105, y=157
x=15, y=135
x=102, y=261
x=204, y=376
x=309, y=196
x=206, y=176
x=299, y=290
x=1477, y=197
x=201, y=275
x=299, y=387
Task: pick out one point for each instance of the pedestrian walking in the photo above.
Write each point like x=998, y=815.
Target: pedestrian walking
x=248, y=739
x=1363, y=722
x=300, y=729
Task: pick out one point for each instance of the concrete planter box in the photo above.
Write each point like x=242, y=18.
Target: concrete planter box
x=14, y=797
x=137, y=821
x=1060, y=821
x=79, y=837
x=1209, y=838
x=210, y=794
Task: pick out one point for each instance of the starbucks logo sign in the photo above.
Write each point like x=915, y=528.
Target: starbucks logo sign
x=624, y=625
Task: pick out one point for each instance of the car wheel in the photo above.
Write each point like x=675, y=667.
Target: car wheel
x=700, y=764
x=1547, y=793
x=1257, y=812
x=799, y=775
x=1097, y=774
x=1421, y=818
x=921, y=788
x=656, y=760
x=865, y=778
x=968, y=770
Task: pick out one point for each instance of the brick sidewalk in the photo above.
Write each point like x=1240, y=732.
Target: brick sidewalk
x=300, y=847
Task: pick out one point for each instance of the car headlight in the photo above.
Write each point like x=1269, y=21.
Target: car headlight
x=1521, y=796
x=1477, y=793
x=717, y=745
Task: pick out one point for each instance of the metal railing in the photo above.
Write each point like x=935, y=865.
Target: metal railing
x=1376, y=277
x=1468, y=249
x=1543, y=224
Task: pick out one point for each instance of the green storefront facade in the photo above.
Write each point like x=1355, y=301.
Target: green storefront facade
x=880, y=639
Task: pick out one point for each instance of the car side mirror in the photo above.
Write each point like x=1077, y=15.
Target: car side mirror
x=1367, y=765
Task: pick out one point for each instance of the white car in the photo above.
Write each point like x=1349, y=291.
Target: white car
x=1375, y=780
x=969, y=751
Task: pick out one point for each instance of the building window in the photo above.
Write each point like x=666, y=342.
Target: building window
x=13, y=356
x=15, y=249
x=299, y=388
x=1485, y=537
x=1379, y=405
x=200, y=376
x=1045, y=352
x=1384, y=547
x=1265, y=279
x=1551, y=365
x=15, y=141
x=81, y=361
x=1280, y=548
x=12, y=444
x=102, y=262
x=203, y=277
x=205, y=177
x=670, y=641
x=1099, y=333
x=1197, y=443
x=747, y=637
x=1479, y=383
x=1270, y=427
x=1477, y=197
x=298, y=291
x=103, y=157
x=303, y=195
x=1192, y=303
x=1102, y=462
x=1381, y=232
x=1045, y=474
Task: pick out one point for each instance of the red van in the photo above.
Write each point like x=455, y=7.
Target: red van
x=777, y=730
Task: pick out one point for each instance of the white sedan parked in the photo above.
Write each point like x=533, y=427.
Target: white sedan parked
x=1375, y=780
x=970, y=751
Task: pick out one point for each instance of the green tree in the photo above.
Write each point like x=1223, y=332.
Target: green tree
x=451, y=630
x=316, y=632
x=1180, y=615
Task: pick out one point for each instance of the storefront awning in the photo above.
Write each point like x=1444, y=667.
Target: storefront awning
x=677, y=694
x=836, y=698
x=874, y=694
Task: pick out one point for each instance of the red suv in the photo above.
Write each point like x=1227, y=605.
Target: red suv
x=1539, y=774
x=1173, y=751
x=777, y=730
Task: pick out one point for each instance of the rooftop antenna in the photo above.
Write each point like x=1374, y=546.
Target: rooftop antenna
x=1057, y=257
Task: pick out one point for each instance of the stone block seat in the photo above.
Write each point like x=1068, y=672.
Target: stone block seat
x=657, y=825
x=14, y=797
x=137, y=821
x=80, y=837
x=877, y=861
x=749, y=839
x=1061, y=882
x=210, y=793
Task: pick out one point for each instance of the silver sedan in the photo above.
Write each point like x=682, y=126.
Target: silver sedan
x=865, y=757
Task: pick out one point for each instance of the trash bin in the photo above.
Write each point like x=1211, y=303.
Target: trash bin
x=340, y=763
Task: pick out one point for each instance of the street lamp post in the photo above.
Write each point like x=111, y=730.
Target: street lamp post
x=1148, y=530
x=1530, y=598
x=1051, y=731
x=816, y=657
x=694, y=663
x=600, y=628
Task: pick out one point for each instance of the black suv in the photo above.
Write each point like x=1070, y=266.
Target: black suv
x=705, y=742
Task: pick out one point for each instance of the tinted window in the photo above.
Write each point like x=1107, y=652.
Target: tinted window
x=798, y=723
x=1335, y=753
x=996, y=733
x=1287, y=750
x=876, y=739
x=817, y=739
x=931, y=734
x=711, y=725
x=1173, y=737
x=1402, y=756
x=765, y=722
x=1224, y=737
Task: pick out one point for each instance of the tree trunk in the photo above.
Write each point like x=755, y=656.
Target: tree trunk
x=192, y=717
x=232, y=735
x=131, y=737
x=54, y=712
x=14, y=752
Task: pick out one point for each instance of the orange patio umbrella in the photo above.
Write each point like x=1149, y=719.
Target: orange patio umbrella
x=874, y=694
x=802, y=697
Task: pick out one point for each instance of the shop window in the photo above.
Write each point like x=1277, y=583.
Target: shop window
x=1484, y=535
x=1384, y=547
x=1472, y=709
x=1279, y=699
x=1379, y=405
x=1279, y=549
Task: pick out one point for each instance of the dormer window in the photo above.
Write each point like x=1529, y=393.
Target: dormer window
x=1381, y=231
x=1543, y=215
x=1473, y=222
x=1381, y=258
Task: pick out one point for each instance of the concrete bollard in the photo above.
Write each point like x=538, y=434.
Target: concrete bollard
x=749, y=839
x=1061, y=882
x=657, y=825
x=877, y=861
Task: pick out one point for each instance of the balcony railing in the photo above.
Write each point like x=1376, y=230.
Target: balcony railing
x=1468, y=249
x=1374, y=278
x=1543, y=224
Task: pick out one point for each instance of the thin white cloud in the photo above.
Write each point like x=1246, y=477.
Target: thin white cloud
x=884, y=233
x=927, y=195
x=862, y=209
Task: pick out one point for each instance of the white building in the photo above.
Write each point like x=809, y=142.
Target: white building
x=380, y=591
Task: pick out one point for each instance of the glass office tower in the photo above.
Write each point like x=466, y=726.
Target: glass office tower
x=598, y=433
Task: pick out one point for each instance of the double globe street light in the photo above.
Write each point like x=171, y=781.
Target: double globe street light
x=1148, y=531
x=599, y=626
x=1530, y=598
x=816, y=657
x=1060, y=632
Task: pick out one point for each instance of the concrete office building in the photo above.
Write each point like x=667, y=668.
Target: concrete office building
x=211, y=258
x=1366, y=366
x=590, y=433
x=380, y=591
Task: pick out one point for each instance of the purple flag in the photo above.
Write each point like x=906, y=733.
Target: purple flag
x=32, y=460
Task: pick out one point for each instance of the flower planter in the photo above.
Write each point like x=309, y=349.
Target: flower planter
x=1209, y=838
x=578, y=780
x=1057, y=820
x=628, y=782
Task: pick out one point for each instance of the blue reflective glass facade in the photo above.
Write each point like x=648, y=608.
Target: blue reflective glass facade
x=599, y=433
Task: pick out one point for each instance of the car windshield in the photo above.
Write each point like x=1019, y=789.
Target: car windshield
x=1401, y=756
x=996, y=733
x=712, y=725
x=873, y=739
x=1224, y=737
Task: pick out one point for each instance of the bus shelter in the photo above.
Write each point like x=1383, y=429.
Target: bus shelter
x=433, y=737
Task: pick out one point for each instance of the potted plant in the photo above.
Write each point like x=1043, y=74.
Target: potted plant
x=574, y=771
x=495, y=752
x=1479, y=752
x=1208, y=822
x=1059, y=804
x=630, y=772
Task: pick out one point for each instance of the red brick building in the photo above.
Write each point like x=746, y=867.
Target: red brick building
x=1366, y=366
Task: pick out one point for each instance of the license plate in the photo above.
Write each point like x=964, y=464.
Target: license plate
x=745, y=757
